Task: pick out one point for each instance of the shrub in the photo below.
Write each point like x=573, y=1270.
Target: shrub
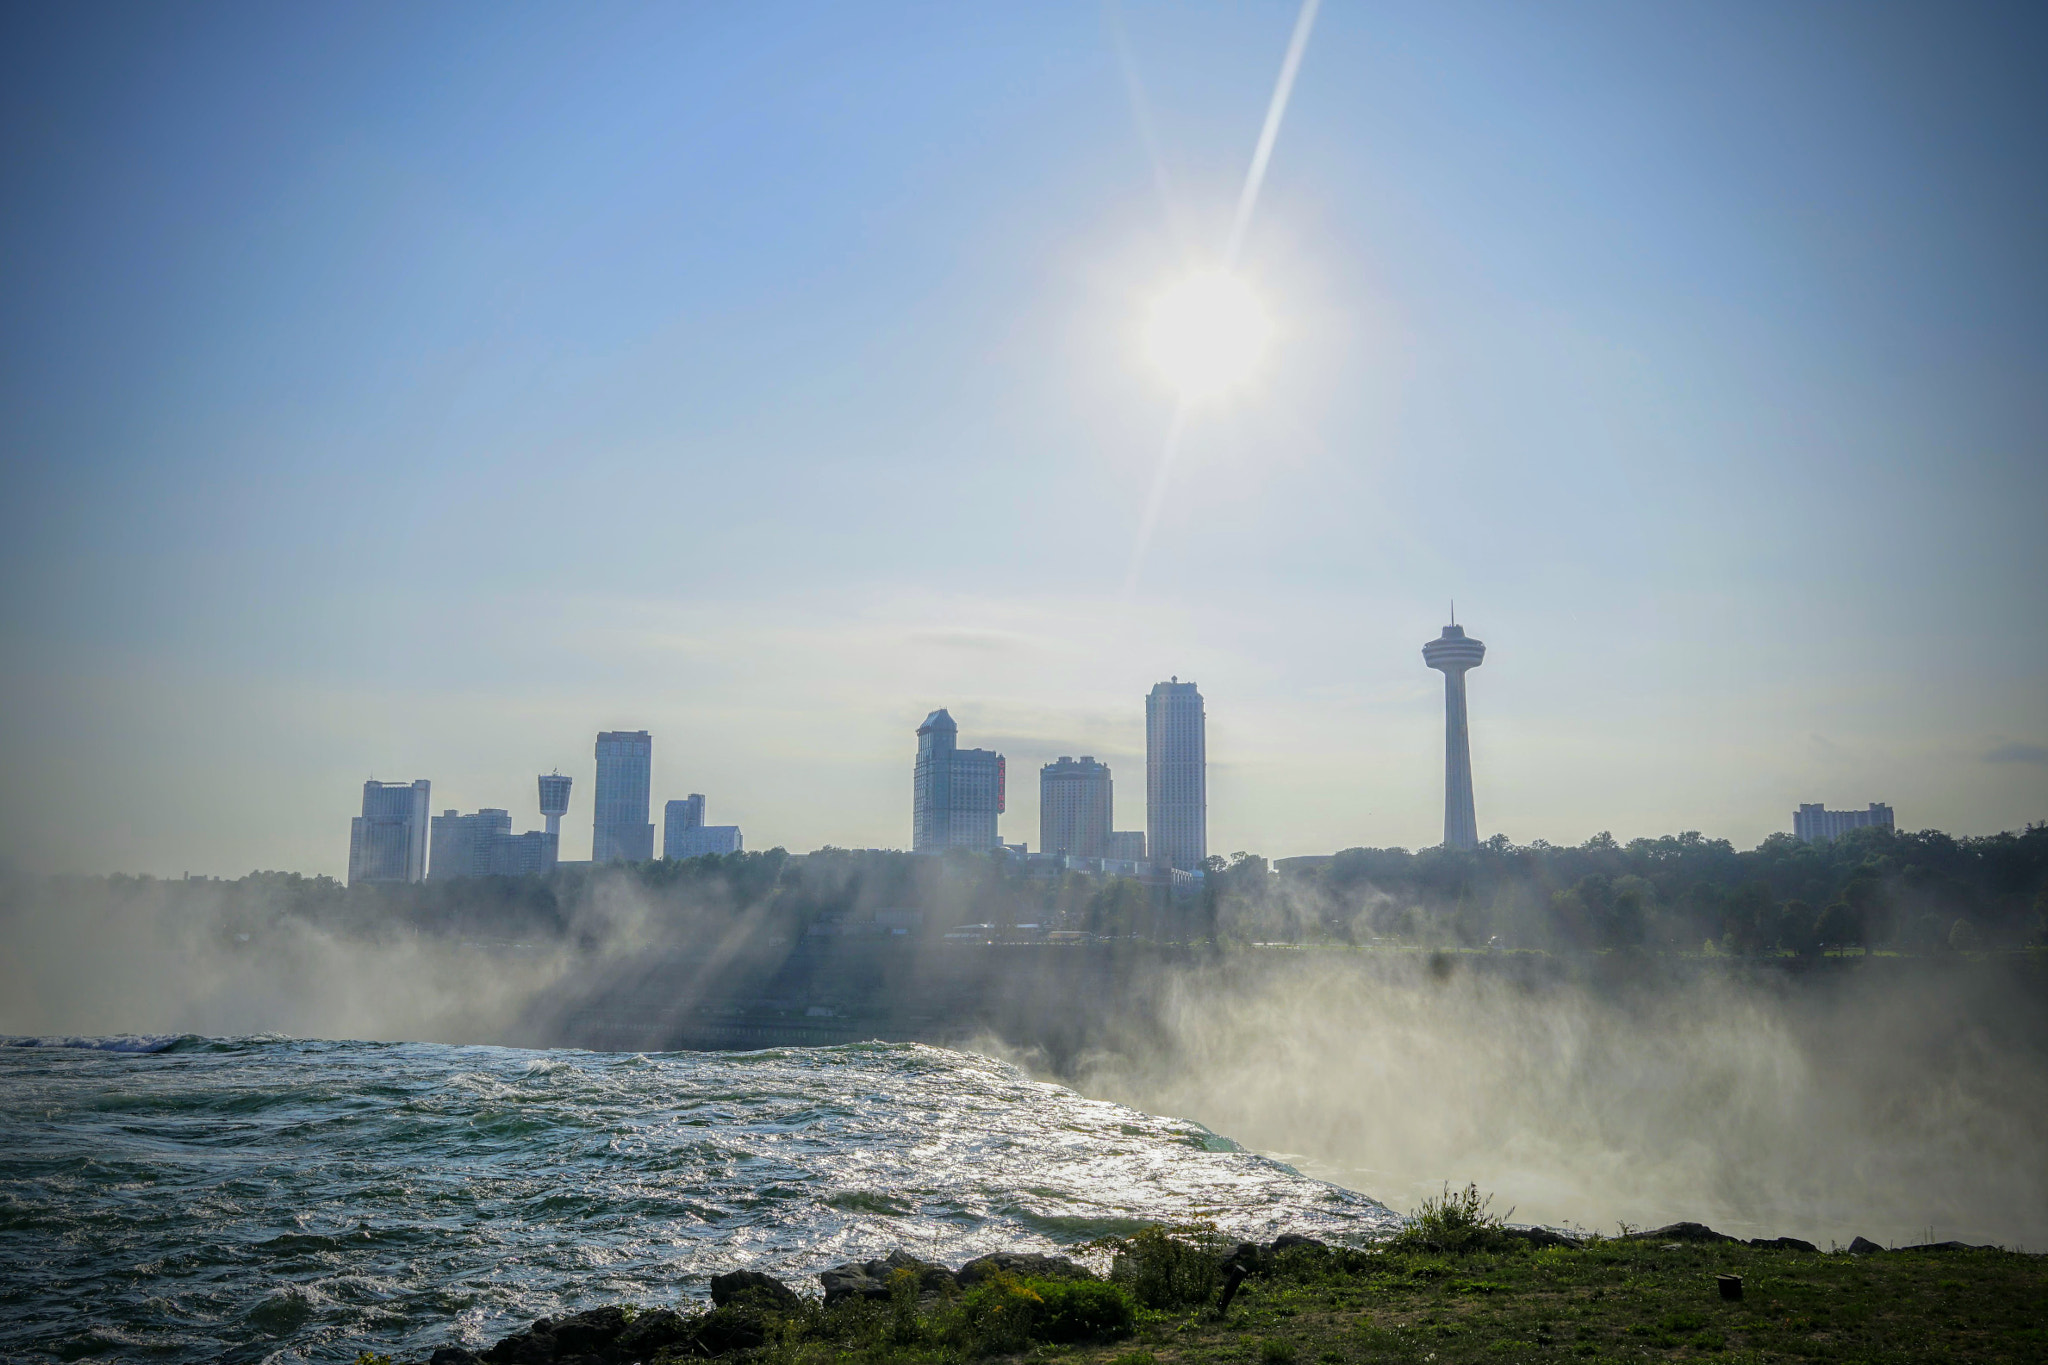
x=1276, y=1351
x=1162, y=1270
x=1455, y=1221
x=1082, y=1310
x=1004, y=1313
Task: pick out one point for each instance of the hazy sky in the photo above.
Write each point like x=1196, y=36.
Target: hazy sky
x=414, y=391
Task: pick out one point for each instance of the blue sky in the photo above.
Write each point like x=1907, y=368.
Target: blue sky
x=414, y=391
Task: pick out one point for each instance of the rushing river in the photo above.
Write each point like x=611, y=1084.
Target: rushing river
x=257, y=1199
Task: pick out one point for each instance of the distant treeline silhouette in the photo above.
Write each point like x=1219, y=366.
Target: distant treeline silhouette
x=1873, y=889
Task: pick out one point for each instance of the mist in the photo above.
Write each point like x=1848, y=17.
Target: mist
x=1902, y=1099
x=1904, y=1105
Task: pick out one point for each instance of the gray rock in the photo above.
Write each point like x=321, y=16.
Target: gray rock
x=1024, y=1265
x=1947, y=1246
x=931, y=1279
x=653, y=1331
x=534, y=1346
x=589, y=1333
x=737, y=1327
x=1679, y=1232
x=454, y=1355
x=1783, y=1244
x=1863, y=1246
x=852, y=1281
x=752, y=1284
x=1541, y=1237
x=1288, y=1241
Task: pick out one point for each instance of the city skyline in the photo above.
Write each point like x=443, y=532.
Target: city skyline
x=379, y=389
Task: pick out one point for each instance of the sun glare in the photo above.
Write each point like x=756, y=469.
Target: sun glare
x=1207, y=334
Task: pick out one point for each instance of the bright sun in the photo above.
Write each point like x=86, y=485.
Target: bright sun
x=1207, y=334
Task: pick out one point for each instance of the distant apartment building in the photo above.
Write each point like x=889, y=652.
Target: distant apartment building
x=388, y=841
x=1819, y=826
x=956, y=794
x=483, y=845
x=685, y=835
x=1176, y=776
x=1075, y=807
x=1126, y=846
x=620, y=829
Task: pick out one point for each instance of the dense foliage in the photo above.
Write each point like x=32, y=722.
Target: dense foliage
x=1916, y=892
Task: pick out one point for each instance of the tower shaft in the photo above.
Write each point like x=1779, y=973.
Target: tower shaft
x=1461, y=825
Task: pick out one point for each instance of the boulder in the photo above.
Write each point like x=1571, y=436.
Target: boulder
x=454, y=1355
x=873, y=1279
x=653, y=1331
x=1782, y=1244
x=1541, y=1237
x=1863, y=1246
x=766, y=1290
x=1023, y=1264
x=737, y=1327
x=1680, y=1232
x=853, y=1280
x=931, y=1279
x=1288, y=1241
x=534, y=1346
x=592, y=1332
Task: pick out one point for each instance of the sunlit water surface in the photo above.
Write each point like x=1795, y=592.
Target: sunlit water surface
x=256, y=1199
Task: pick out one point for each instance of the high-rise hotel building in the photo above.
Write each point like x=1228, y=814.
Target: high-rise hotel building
x=388, y=841
x=1176, y=776
x=1076, y=808
x=620, y=830
x=956, y=793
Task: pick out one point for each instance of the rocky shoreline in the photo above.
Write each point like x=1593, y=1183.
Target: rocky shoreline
x=749, y=1308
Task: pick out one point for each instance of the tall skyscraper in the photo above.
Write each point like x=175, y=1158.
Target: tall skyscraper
x=1818, y=825
x=956, y=794
x=1176, y=776
x=1455, y=655
x=620, y=829
x=388, y=841
x=685, y=835
x=1075, y=808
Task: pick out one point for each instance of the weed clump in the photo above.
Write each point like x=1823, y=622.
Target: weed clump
x=1453, y=1223
x=1169, y=1267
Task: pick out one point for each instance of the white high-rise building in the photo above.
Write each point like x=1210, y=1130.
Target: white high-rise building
x=388, y=841
x=1176, y=776
x=956, y=794
x=685, y=835
x=1076, y=808
x=620, y=830
x=1818, y=825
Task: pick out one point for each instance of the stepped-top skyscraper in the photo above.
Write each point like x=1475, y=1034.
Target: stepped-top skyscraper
x=956, y=793
x=1454, y=654
x=1176, y=776
x=620, y=830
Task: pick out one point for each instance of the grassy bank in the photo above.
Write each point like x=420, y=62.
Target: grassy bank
x=1614, y=1301
x=1490, y=1298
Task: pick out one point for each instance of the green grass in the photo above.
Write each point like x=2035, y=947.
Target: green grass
x=1609, y=1302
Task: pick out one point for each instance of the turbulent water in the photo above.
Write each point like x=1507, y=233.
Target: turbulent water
x=257, y=1199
